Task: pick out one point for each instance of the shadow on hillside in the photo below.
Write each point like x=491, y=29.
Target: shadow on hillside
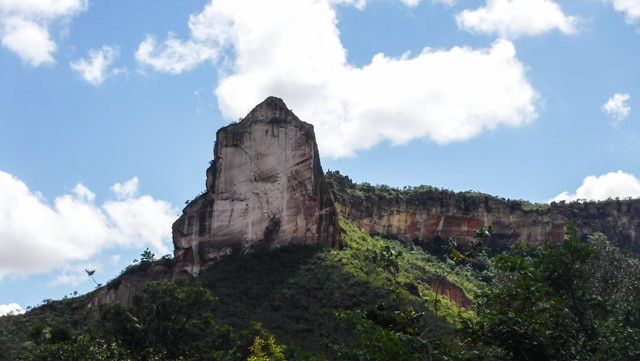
x=294, y=292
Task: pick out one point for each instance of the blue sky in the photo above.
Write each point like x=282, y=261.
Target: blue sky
x=501, y=103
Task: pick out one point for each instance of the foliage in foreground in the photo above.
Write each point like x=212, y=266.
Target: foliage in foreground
x=578, y=300
x=372, y=300
x=166, y=321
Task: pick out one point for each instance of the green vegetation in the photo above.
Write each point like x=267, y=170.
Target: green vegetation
x=44, y=324
x=372, y=300
x=575, y=301
x=368, y=301
x=366, y=195
x=317, y=299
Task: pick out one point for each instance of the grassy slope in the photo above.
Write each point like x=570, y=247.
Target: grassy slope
x=304, y=295
x=323, y=301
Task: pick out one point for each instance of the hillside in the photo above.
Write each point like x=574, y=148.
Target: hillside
x=318, y=302
x=374, y=299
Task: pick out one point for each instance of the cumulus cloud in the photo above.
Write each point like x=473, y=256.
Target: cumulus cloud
x=96, y=68
x=174, y=56
x=630, y=9
x=25, y=26
x=29, y=40
x=617, y=107
x=599, y=188
x=36, y=236
x=126, y=190
x=292, y=49
x=11, y=309
x=515, y=18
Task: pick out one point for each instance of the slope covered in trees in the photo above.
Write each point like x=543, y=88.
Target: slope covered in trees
x=375, y=299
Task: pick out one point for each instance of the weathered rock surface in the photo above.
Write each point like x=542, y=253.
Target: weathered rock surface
x=123, y=288
x=427, y=215
x=265, y=189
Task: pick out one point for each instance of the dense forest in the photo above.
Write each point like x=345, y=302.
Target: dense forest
x=373, y=299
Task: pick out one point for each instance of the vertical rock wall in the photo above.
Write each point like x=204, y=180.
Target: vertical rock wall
x=265, y=189
x=427, y=215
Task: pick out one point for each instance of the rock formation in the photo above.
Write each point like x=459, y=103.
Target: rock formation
x=427, y=214
x=124, y=287
x=265, y=188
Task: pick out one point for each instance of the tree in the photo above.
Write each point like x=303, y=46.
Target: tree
x=568, y=301
x=147, y=256
x=81, y=349
x=168, y=319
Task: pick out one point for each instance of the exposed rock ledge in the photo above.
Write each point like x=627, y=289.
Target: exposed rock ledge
x=427, y=215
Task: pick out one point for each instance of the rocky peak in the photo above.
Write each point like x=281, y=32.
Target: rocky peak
x=265, y=189
x=271, y=109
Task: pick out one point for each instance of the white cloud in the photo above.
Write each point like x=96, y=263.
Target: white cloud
x=515, y=18
x=141, y=220
x=292, y=49
x=11, y=309
x=617, y=107
x=630, y=9
x=25, y=26
x=174, y=56
x=45, y=9
x=29, y=40
x=598, y=188
x=126, y=190
x=36, y=236
x=97, y=68
x=83, y=192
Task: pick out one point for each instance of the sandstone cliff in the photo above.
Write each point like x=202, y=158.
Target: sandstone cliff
x=265, y=188
x=427, y=215
x=124, y=287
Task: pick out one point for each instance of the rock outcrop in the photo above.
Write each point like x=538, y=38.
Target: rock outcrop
x=265, y=188
x=427, y=215
x=123, y=288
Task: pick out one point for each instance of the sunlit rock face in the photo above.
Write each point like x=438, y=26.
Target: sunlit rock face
x=265, y=189
x=429, y=215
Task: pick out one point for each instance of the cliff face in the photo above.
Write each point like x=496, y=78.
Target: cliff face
x=265, y=189
x=426, y=215
x=123, y=288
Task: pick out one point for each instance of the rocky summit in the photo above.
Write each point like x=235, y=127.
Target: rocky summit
x=265, y=188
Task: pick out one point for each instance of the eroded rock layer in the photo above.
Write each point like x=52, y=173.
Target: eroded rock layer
x=428, y=215
x=265, y=189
